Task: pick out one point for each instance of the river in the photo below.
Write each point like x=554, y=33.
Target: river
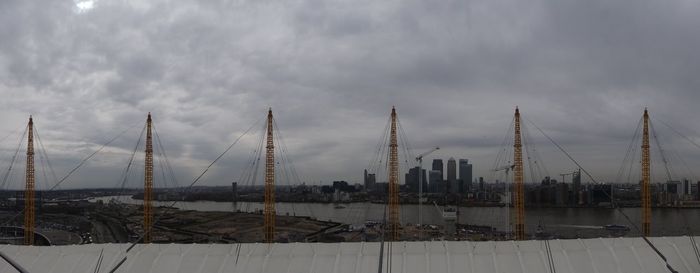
x=570, y=222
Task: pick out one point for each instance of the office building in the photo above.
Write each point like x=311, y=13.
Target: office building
x=370, y=181
x=576, y=187
x=452, y=175
x=436, y=183
x=412, y=180
x=465, y=176
x=437, y=166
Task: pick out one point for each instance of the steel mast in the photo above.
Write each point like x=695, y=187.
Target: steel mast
x=29, y=187
x=394, y=180
x=148, y=185
x=269, y=183
x=518, y=180
x=646, y=176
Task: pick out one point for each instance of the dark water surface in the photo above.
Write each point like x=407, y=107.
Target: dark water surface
x=565, y=222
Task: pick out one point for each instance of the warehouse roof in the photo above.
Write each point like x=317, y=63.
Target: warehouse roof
x=575, y=256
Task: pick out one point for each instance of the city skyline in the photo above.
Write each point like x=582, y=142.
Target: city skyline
x=454, y=70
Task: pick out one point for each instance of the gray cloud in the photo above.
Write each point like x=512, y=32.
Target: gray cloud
x=331, y=70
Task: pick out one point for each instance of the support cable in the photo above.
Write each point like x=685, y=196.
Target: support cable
x=631, y=152
x=679, y=133
x=12, y=263
x=249, y=175
x=72, y=170
x=43, y=150
x=121, y=262
x=381, y=245
x=528, y=154
x=550, y=257
x=82, y=162
x=664, y=159
x=125, y=176
x=168, y=166
x=651, y=245
x=99, y=261
x=377, y=157
x=690, y=236
x=695, y=247
x=14, y=158
x=289, y=171
x=284, y=174
x=42, y=163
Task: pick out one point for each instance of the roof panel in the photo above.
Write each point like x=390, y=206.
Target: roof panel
x=575, y=256
x=348, y=263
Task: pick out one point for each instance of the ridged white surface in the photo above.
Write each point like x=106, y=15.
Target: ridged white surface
x=619, y=255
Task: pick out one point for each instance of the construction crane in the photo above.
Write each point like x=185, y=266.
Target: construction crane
x=29, y=187
x=507, y=197
x=269, y=183
x=518, y=181
x=148, y=184
x=506, y=168
x=564, y=175
x=646, y=177
x=419, y=158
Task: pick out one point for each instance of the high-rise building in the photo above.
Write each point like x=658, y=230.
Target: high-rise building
x=452, y=175
x=673, y=187
x=697, y=192
x=412, y=180
x=481, y=184
x=686, y=187
x=561, y=197
x=576, y=187
x=435, y=179
x=465, y=175
x=370, y=181
x=437, y=166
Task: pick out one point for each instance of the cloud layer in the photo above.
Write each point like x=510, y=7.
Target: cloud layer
x=332, y=70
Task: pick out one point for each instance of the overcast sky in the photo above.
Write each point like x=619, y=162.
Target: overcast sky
x=331, y=71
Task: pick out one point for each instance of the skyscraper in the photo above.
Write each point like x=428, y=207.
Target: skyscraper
x=437, y=166
x=412, y=180
x=370, y=181
x=576, y=187
x=435, y=179
x=465, y=176
x=452, y=175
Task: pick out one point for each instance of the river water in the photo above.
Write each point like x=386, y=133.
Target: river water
x=568, y=222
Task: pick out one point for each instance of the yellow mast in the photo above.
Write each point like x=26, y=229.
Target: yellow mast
x=269, y=183
x=393, y=180
x=29, y=187
x=518, y=180
x=646, y=173
x=148, y=185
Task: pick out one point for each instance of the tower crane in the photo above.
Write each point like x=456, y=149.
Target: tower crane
x=507, y=197
x=564, y=175
x=419, y=158
x=506, y=168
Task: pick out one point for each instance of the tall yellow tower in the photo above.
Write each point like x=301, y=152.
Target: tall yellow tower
x=646, y=177
x=518, y=180
x=148, y=185
x=29, y=187
x=269, y=183
x=394, y=180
